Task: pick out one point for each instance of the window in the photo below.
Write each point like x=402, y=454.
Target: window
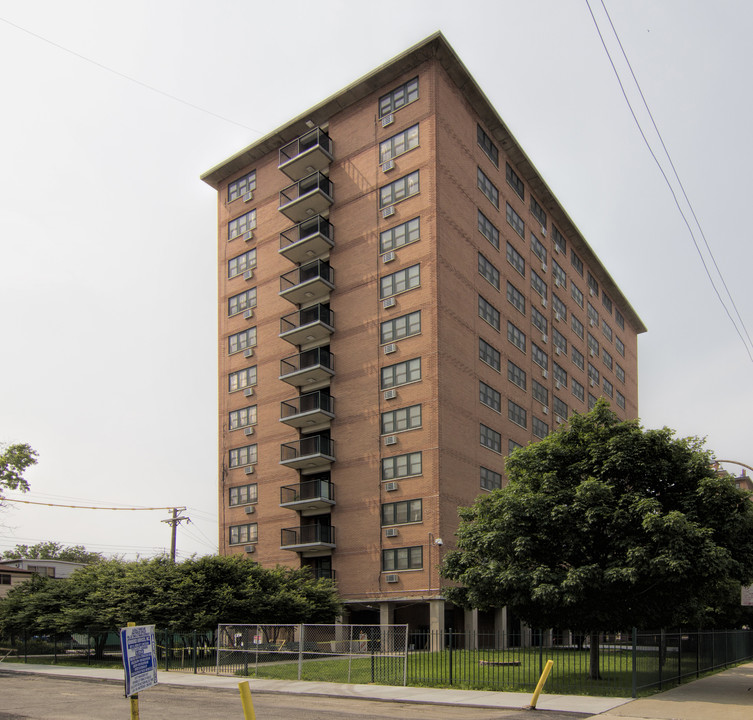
x=606, y=357
x=486, y=144
x=516, y=298
x=560, y=408
x=399, y=190
x=620, y=400
x=488, y=229
x=240, y=534
x=241, y=186
x=620, y=346
x=242, y=418
x=487, y=311
x=399, y=513
x=539, y=392
x=490, y=480
x=517, y=414
x=516, y=260
x=487, y=187
x=560, y=374
x=515, y=221
x=608, y=387
x=578, y=390
x=606, y=302
x=5, y=579
x=593, y=285
x=515, y=182
x=593, y=374
x=241, y=224
x=538, y=284
x=593, y=345
x=576, y=262
x=577, y=357
x=404, y=234
x=240, y=457
x=577, y=326
x=512, y=446
x=559, y=308
x=576, y=293
x=407, y=418
x=620, y=373
x=401, y=327
x=516, y=375
x=398, y=144
x=593, y=315
x=243, y=495
x=242, y=301
x=516, y=336
x=559, y=274
x=559, y=240
x=240, y=263
x=241, y=379
x=401, y=373
x=491, y=439
x=399, y=97
x=400, y=281
x=538, y=212
x=539, y=427
x=488, y=271
x=559, y=341
x=539, y=321
x=619, y=319
x=607, y=330
x=241, y=341
x=407, y=558
x=489, y=354
x=538, y=249
x=400, y=466
x=539, y=356
x=591, y=401
x=490, y=397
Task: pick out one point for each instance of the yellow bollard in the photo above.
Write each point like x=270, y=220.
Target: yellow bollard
x=246, y=701
x=540, y=686
x=134, y=698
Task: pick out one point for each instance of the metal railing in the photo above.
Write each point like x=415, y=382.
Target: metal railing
x=307, y=359
x=316, y=225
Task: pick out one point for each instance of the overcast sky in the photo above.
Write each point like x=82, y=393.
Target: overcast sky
x=108, y=307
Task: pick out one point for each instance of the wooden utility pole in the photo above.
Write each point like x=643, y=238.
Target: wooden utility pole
x=174, y=521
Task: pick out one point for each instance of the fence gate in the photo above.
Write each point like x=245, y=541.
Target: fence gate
x=330, y=653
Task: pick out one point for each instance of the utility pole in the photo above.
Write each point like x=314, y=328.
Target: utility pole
x=174, y=521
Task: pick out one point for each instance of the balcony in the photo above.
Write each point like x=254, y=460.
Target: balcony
x=313, y=452
x=312, y=497
x=312, y=324
x=309, y=283
x=307, y=240
x=308, y=410
x=311, y=367
x=310, y=152
x=307, y=538
x=323, y=573
x=311, y=196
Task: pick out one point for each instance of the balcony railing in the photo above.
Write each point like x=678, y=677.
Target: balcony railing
x=308, y=283
x=323, y=573
x=312, y=195
x=310, y=152
x=311, y=324
x=308, y=410
x=310, y=452
x=308, y=537
x=311, y=367
x=311, y=497
x=307, y=240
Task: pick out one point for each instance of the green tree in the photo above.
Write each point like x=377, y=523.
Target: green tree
x=52, y=550
x=606, y=526
x=14, y=461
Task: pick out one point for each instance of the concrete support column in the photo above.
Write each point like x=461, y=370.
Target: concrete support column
x=471, y=629
x=387, y=617
x=525, y=635
x=501, y=629
x=436, y=624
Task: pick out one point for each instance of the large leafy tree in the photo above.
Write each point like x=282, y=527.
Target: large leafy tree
x=604, y=526
x=52, y=550
x=14, y=461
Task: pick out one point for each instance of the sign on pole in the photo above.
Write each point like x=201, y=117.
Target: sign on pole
x=139, y=648
x=746, y=595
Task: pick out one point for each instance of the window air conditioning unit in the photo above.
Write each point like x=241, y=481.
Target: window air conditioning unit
x=392, y=578
x=249, y=196
x=248, y=314
x=248, y=352
x=557, y=316
x=592, y=353
x=557, y=385
x=592, y=291
x=248, y=275
x=592, y=383
x=388, y=211
x=560, y=420
x=557, y=351
x=543, y=231
x=388, y=349
x=388, y=256
x=250, y=510
x=248, y=431
x=545, y=373
x=558, y=282
x=592, y=323
x=543, y=302
x=390, y=486
x=248, y=235
x=543, y=267
x=558, y=249
x=545, y=409
x=388, y=165
x=250, y=549
x=388, y=120
x=390, y=440
x=391, y=532
x=544, y=338
x=248, y=392
x=388, y=303
x=249, y=470
x=390, y=394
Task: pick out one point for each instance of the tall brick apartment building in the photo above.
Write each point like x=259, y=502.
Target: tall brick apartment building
x=402, y=302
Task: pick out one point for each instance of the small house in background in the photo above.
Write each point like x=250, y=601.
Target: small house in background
x=10, y=577
x=45, y=568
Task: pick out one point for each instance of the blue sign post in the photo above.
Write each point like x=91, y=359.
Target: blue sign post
x=139, y=648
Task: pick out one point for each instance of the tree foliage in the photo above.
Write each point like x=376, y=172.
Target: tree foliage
x=199, y=593
x=606, y=526
x=14, y=461
x=52, y=550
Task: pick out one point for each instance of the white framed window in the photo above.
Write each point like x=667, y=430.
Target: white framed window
x=241, y=341
x=240, y=263
x=400, y=189
x=400, y=281
x=400, y=235
x=241, y=379
x=240, y=534
x=242, y=456
x=398, y=144
x=240, y=302
x=243, y=495
x=242, y=418
x=242, y=224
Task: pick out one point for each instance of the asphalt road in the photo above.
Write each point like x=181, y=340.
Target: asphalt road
x=28, y=697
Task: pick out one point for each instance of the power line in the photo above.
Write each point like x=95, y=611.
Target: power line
x=84, y=507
